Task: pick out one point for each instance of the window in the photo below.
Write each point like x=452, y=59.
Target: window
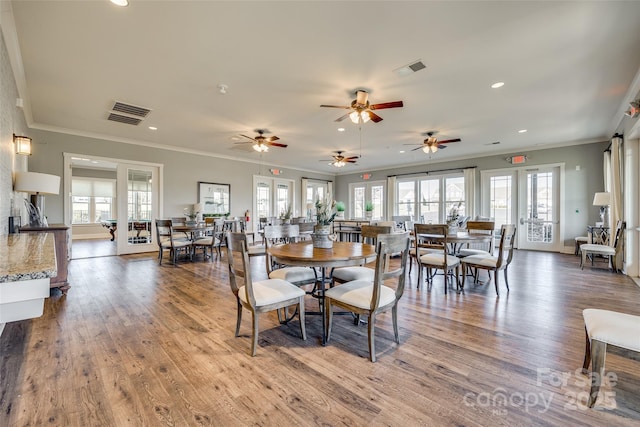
x=93, y=200
x=436, y=197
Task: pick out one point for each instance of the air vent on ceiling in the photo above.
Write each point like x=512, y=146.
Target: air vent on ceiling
x=410, y=68
x=124, y=119
x=121, y=107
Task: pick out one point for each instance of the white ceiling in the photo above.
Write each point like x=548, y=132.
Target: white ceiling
x=567, y=67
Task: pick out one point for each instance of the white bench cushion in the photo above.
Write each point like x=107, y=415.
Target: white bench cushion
x=359, y=292
x=611, y=327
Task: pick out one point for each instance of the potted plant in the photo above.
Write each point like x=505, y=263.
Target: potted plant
x=340, y=208
x=325, y=214
x=285, y=216
x=368, y=209
x=192, y=213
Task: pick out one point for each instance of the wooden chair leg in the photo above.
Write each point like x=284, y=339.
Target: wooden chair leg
x=238, y=319
x=587, y=353
x=598, y=353
x=506, y=280
x=329, y=318
x=394, y=316
x=372, y=344
x=254, y=333
x=495, y=280
x=301, y=317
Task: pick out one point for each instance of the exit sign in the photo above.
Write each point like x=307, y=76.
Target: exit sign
x=517, y=160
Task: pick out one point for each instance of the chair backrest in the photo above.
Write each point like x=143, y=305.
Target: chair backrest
x=239, y=269
x=305, y=227
x=164, y=231
x=482, y=227
x=431, y=236
x=209, y=220
x=276, y=234
x=507, y=237
x=370, y=233
x=390, y=244
x=178, y=220
x=620, y=226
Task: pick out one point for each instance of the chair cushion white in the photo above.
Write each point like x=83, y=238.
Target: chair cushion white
x=256, y=250
x=584, y=239
x=293, y=274
x=347, y=274
x=359, y=292
x=206, y=241
x=482, y=260
x=464, y=252
x=271, y=291
x=176, y=243
x=600, y=249
x=611, y=327
x=437, y=259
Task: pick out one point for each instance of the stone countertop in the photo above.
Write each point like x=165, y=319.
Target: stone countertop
x=27, y=256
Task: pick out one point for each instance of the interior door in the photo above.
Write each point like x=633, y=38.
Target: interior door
x=138, y=202
x=539, y=209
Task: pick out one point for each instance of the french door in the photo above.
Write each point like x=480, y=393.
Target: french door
x=137, y=208
x=272, y=197
x=529, y=198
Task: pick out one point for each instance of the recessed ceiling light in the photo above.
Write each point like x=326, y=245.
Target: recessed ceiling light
x=340, y=129
x=401, y=151
x=121, y=3
x=235, y=138
x=153, y=128
x=95, y=162
x=522, y=131
x=496, y=85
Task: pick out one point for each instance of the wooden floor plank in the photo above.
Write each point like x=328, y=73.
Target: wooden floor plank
x=134, y=343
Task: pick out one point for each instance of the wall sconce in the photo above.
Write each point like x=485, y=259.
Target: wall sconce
x=23, y=144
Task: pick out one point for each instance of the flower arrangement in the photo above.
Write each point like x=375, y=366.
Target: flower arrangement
x=192, y=212
x=454, y=214
x=325, y=213
x=286, y=214
x=368, y=206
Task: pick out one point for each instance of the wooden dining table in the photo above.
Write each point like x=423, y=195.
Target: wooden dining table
x=303, y=254
x=456, y=240
x=193, y=231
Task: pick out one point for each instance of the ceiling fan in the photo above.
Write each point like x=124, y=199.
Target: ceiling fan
x=431, y=144
x=340, y=161
x=262, y=143
x=362, y=110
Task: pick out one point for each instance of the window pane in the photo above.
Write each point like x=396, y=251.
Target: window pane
x=454, y=196
x=406, y=198
x=80, y=210
x=377, y=198
x=282, y=199
x=263, y=200
x=358, y=202
x=430, y=201
x=500, y=199
x=102, y=208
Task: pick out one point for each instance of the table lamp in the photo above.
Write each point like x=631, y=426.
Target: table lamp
x=37, y=185
x=603, y=200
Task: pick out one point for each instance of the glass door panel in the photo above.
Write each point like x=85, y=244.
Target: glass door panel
x=137, y=209
x=539, y=209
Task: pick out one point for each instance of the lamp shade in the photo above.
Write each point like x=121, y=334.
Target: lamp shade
x=37, y=183
x=602, y=199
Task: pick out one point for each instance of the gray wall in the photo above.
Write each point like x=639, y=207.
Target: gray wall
x=579, y=186
x=11, y=121
x=182, y=171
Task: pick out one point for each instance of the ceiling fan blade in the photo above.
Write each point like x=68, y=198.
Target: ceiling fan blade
x=374, y=117
x=394, y=104
x=336, y=106
x=277, y=144
x=272, y=138
x=449, y=140
x=248, y=137
x=352, y=158
x=339, y=119
x=441, y=147
x=421, y=144
x=349, y=161
x=418, y=148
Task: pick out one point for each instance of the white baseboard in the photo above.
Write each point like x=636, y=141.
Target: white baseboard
x=90, y=236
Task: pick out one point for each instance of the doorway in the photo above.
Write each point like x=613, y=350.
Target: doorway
x=121, y=222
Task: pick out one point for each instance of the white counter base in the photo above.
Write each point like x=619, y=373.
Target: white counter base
x=23, y=299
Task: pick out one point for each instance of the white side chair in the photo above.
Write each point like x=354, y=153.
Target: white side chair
x=602, y=328
x=591, y=249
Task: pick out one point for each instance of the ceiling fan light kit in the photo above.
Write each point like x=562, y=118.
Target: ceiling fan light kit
x=262, y=143
x=362, y=110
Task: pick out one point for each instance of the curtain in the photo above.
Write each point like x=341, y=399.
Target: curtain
x=470, y=192
x=616, y=212
x=391, y=196
x=303, y=197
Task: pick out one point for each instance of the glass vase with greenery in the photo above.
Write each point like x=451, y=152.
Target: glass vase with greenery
x=325, y=210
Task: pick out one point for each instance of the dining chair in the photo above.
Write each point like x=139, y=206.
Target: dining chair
x=371, y=297
x=592, y=249
x=432, y=252
x=167, y=241
x=369, y=235
x=491, y=262
x=208, y=241
x=282, y=234
x=478, y=228
x=306, y=228
x=258, y=297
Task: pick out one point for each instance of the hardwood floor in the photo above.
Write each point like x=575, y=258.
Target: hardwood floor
x=92, y=248
x=137, y=344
